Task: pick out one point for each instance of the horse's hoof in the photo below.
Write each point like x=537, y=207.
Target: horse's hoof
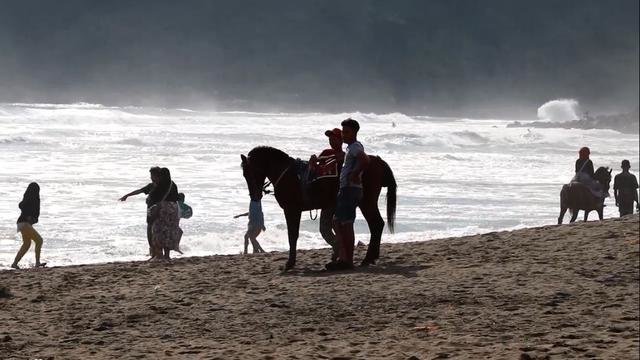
x=366, y=263
x=289, y=265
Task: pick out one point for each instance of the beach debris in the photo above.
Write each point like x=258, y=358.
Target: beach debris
x=430, y=328
x=5, y=293
x=103, y=325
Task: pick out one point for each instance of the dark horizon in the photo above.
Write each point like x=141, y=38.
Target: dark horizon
x=465, y=58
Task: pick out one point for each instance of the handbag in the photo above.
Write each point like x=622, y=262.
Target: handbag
x=185, y=210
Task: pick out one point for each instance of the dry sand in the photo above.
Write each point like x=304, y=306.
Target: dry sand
x=553, y=292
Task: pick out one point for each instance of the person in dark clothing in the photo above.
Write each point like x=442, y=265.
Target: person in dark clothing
x=625, y=187
x=584, y=164
x=29, y=214
x=165, y=217
x=154, y=196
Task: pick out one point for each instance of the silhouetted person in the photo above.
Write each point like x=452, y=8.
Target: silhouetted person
x=154, y=195
x=584, y=173
x=165, y=219
x=349, y=195
x=584, y=164
x=625, y=187
x=328, y=163
x=29, y=214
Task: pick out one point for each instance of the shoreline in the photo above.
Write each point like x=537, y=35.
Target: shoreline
x=545, y=292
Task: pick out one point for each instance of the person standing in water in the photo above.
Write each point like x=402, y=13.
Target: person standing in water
x=29, y=214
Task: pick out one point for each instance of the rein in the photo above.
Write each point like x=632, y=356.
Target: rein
x=264, y=188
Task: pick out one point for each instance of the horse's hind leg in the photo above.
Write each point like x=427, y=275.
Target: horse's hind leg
x=376, y=225
x=586, y=215
x=574, y=215
x=600, y=214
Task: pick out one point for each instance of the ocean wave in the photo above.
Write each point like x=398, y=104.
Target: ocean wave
x=14, y=140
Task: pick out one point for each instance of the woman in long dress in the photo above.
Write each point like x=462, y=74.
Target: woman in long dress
x=165, y=228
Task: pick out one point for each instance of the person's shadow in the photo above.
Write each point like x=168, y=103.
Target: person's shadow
x=387, y=268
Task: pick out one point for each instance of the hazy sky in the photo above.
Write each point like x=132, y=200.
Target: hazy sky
x=449, y=57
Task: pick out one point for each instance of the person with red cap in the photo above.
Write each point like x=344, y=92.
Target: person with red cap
x=328, y=164
x=329, y=160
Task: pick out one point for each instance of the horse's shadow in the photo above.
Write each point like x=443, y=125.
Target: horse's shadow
x=391, y=268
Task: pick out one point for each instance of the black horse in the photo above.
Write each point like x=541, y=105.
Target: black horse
x=270, y=163
x=577, y=196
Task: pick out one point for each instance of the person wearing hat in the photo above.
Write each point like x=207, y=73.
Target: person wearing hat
x=625, y=187
x=328, y=164
x=329, y=160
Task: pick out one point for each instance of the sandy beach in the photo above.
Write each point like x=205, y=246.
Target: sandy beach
x=552, y=292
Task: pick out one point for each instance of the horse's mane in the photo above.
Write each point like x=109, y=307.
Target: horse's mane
x=601, y=170
x=260, y=152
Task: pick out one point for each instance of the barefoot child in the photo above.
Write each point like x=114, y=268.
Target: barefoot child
x=254, y=227
x=30, y=211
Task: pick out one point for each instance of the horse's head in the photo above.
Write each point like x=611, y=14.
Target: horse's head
x=254, y=176
x=603, y=176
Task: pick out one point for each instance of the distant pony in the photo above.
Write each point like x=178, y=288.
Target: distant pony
x=577, y=196
x=270, y=163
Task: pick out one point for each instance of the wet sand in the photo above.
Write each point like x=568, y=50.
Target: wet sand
x=553, y=292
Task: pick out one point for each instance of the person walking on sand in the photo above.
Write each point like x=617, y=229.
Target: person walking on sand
x=29, y=214
x=349, y=195
x=625, y=189
x=254, y=227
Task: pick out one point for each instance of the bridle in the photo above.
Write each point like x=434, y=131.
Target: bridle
x=267, y=183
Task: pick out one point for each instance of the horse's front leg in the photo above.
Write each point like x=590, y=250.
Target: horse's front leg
x=561, y=217
x=600, y=213
x=293, y=229
x=586, y=215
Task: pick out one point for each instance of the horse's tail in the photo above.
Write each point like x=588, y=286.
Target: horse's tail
x=389, y=181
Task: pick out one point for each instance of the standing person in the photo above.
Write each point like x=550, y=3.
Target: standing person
x=349, y=195
x=328, y=164
x=154, y=196
x=625, y=187
x=165, y=219
x=29, y=213
x=331, y=159
x=154, y=174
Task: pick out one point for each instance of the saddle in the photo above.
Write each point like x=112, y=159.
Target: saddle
x=327, y=169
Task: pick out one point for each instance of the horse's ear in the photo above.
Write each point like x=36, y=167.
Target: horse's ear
x=244, y=158
x=610, y=170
